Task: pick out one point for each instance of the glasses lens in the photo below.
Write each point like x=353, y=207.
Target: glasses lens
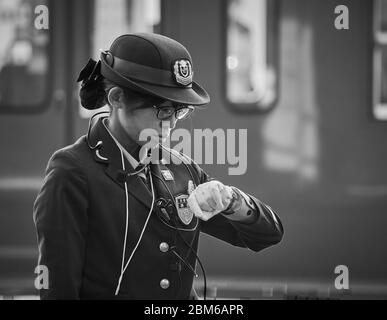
x=165, y=112
x=183, y=113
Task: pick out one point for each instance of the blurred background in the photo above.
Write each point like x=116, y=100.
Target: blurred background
x=313, y=98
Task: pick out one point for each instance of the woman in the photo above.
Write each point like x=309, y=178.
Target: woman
x=109, y=222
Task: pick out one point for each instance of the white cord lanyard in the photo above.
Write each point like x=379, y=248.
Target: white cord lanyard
x=123, y=265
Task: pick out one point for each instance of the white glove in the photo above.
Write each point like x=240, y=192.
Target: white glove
x=208, y=199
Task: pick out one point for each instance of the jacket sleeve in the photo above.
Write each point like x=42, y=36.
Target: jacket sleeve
x=264, y=232
x=60, y=217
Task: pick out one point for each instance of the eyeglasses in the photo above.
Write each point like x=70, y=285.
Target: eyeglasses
x=165, y=112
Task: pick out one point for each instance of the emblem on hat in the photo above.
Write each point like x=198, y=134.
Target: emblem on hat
x=185, y=213
x=182, y=70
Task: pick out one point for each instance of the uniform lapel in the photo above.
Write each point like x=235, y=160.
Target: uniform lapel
x=108, y=153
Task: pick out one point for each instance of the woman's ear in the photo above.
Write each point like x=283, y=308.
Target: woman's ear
x=116, y=97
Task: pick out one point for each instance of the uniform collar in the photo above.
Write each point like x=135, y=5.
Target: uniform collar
x=106, y=150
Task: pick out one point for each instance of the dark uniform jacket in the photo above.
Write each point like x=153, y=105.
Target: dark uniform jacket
x=80, y=217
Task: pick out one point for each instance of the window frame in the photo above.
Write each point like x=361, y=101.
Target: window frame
x=272, y=51
x=81, y=112
x=379, y=109
x=46, y=101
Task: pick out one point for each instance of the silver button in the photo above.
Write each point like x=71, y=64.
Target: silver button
x=164, y=283
x=164, y=247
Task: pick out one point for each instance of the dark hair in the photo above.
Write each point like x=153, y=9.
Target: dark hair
x=93, y=96
x=95, y=89
x=96, y=96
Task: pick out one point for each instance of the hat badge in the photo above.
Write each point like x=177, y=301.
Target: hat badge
x=182, y=70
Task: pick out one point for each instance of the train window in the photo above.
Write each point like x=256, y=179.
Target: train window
x=115, y=17
x=251, y=77
x=24, y=55
x=380, y=60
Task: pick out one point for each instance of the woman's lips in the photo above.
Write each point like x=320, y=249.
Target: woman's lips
x=161, y=136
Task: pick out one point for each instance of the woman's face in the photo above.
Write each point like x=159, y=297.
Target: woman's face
x=139, y=121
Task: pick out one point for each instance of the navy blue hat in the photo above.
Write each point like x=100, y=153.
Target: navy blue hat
x=153, y=64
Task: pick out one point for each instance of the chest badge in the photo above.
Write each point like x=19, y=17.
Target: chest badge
x=185, y=214
x=167, y=175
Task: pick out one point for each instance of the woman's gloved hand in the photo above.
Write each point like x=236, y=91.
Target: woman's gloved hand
x=208, y=199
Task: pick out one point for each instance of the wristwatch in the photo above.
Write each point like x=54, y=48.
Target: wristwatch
x=235, y=203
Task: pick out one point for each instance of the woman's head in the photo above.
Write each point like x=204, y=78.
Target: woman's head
x=138, y=73
x=147, y=63
x=133, y=112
